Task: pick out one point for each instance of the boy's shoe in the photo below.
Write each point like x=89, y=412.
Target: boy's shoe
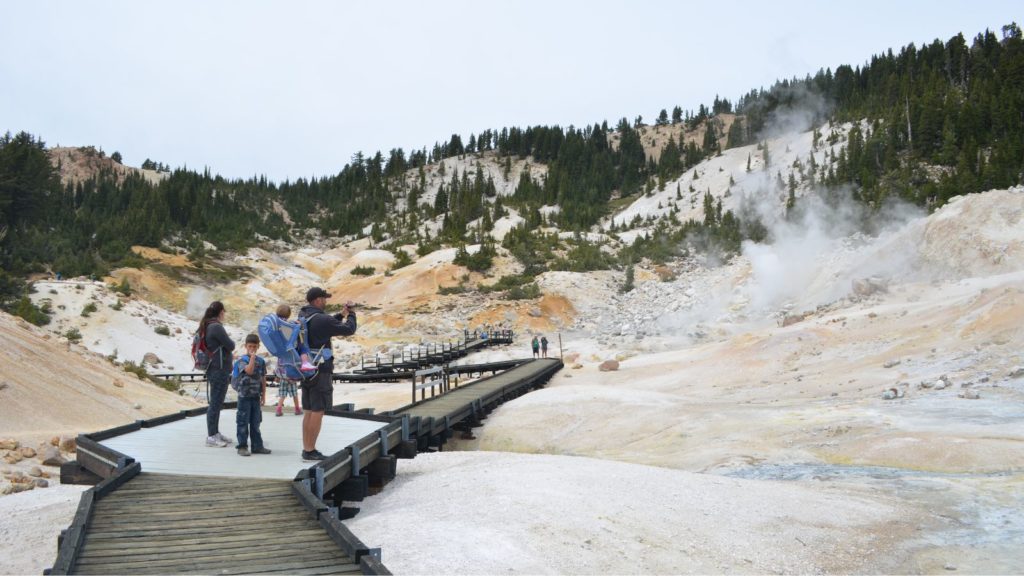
x=225, y=439
x=261, y=450
x=215, y=442
x=312, y=456
x=279, y=412
x=298, y=411
x=243, y=451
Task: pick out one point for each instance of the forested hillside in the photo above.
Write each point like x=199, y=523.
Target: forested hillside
x=930, y=123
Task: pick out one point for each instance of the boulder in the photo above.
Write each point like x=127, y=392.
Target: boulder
x=891, y=394
x=577, y=366
x=40, y=483
x=118, y=383
x=55, y=441
x=28, y=452
x=52, y=457
x=891, y=362
x=20, y=487
x=969, y=394
x=6, y=489
x=869, y=286
x=9, y=444
x=1016, y=372
x=68, y=444
x=36, y=472
x=4, y=384
x=571, y=357
x=609, y=366
x=536, y=312
x=791, y=319
x=151, y=358
x=13, y=457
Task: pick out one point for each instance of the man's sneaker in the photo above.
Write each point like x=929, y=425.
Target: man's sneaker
x=261, y=450
x=225, y=439
x=215, y=442
x=312, y=456
x=243, y=451
x=279, y=412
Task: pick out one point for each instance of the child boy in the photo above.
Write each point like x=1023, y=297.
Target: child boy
x=288, y=386
x=250, y=374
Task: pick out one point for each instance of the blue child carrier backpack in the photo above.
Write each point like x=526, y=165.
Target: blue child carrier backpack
x=287, y=342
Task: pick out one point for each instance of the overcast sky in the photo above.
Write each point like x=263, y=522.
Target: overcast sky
x=294, y=89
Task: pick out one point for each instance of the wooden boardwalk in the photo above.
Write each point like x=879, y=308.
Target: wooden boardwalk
x=162, y=524
x=180, y=447
x=209, y=511
x=433, y=419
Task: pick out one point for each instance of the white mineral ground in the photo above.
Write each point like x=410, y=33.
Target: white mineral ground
x=725, y=442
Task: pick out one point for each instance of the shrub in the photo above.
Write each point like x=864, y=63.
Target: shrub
x=526, y=292
x=138, y=369
x=448, y=290
x=116, y=306
x=30, y=312
x=73, y=335
x=89, y=309
x=629, y=283
x=480, y=261
x=402, y=259
x=123, y=288
x=363, y=271
x=162, y=330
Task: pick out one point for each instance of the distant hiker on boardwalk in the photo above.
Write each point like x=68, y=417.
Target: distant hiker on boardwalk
x=249, y=379
x=318, y=392
x=544, y=346
x=535, y=343
x=218, y=346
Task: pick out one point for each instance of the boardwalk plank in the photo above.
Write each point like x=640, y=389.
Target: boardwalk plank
x=195, y=550
x=208, y=541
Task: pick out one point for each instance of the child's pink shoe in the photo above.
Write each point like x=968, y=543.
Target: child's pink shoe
x=279, y=412
x=298, y=411
x=307, y=367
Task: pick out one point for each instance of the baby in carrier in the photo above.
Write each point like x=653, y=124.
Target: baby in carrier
x=301, y=348
x=284, y=340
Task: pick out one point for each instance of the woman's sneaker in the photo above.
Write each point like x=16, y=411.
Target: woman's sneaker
x=215, y=442
x=312, y=456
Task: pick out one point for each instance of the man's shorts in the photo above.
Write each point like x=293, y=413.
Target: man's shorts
x=318, y=392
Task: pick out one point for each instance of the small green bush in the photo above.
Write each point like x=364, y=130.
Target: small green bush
x=363, y=271
x=123, y=288
x=162, y=330
x=526, y=292
x=73, y=335
x=402, y=259
x=448, y=290
x=138, y=369
x=89, y=309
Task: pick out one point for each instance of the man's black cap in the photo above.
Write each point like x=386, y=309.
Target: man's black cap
x=314, y=293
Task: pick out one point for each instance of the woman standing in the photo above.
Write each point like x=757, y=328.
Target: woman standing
x=211, y=330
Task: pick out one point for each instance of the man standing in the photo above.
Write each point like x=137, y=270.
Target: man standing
x=318, y=392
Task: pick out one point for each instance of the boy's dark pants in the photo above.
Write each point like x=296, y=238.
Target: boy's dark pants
x=248, y=418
